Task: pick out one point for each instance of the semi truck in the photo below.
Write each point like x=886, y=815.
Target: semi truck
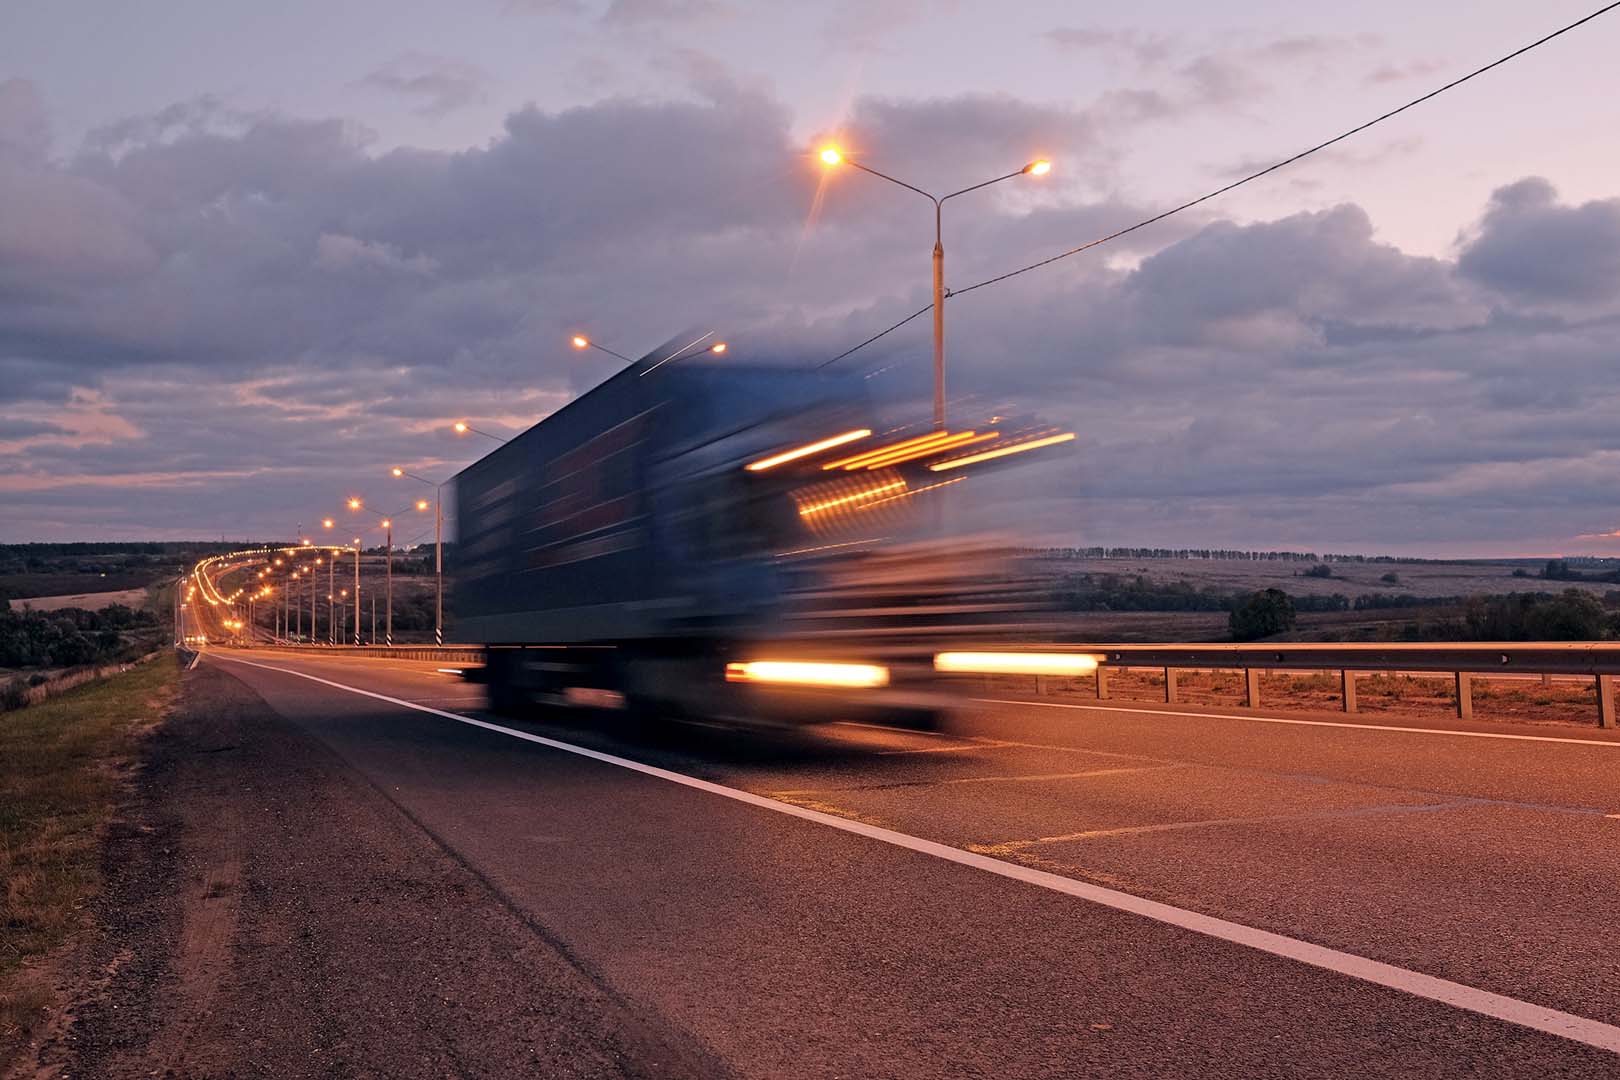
x=702, y=537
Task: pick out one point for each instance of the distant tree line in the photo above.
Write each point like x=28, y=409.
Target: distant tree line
x=68, y=636
x=1560, y=570
x=1570, y=615
x=1217, y=553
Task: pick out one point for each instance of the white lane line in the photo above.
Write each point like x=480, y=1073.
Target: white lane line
x=1565, y=1025
x=1611, y=744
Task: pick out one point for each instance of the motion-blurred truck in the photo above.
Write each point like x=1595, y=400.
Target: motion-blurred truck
x=708, y=538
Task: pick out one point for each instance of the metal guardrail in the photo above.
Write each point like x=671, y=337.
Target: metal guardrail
x=465, y=654
x=1463, y=661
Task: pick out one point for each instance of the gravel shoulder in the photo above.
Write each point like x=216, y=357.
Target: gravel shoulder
x=268, y=912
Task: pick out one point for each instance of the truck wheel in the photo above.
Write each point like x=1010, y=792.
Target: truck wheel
x=506, y=698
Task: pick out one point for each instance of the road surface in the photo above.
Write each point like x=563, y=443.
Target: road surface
x=1040, y=890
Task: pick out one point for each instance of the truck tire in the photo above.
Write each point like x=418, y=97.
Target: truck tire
x=506, y=697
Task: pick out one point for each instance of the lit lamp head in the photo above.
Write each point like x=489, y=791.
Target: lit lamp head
x=354, y=503
x=830, y=155
x=461, y=427
x=397, y=471
x=581, y=341
x=1038, y=167
x=421, y=504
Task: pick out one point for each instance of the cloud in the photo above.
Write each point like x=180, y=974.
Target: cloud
x=1530, y=247
x=25, y=131
x=1390, y=73
x=1147, y=49
x=247, y=315
x=637, y=13
x=437, y=84
x=335, y=251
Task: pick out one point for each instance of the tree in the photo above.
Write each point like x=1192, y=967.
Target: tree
x=1263, y=614
x=1572, y=615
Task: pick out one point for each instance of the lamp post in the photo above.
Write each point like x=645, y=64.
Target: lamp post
x=582, y=342
x=462, y=427
x=832, y=156
x=356, y=503
x=331, y=569
x=438, y=548
x=357, y=590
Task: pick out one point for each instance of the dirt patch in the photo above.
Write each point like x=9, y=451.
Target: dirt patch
x=269, y=913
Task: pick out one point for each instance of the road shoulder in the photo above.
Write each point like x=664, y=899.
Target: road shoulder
x=268, y=912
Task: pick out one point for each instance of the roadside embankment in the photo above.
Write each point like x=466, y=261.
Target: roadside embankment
x=64, y=764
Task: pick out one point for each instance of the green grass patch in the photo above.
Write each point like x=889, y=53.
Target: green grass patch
x=63, y=764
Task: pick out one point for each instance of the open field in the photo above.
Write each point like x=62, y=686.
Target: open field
x=94, y=601
x=1425, y=579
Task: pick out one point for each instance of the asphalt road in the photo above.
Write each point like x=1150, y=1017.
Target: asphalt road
x=1037, y=891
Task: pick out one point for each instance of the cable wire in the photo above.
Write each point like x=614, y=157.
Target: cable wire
x=1251, y=177
x=881, y=333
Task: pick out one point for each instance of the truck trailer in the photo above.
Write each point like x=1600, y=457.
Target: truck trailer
x=710, y=538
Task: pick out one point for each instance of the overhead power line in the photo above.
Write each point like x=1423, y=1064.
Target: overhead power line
x=1284, y=163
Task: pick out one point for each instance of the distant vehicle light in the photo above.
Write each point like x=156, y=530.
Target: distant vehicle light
x=805, y=451
x=797, y=673
x=1016, y=663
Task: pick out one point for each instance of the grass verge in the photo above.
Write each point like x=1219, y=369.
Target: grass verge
x=63, y=764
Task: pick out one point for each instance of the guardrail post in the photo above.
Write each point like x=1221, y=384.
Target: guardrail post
x=1040, y=686
x=1605, y=693
x=1347, y=681
x=1169, y=686
x=1251, y=687
x=1465, y=696
x=1102, y=683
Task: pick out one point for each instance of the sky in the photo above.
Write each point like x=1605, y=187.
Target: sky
x=251, y=256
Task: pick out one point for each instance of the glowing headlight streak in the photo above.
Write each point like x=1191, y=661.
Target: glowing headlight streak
x=1002, y=451
x=856, y=496
x=960, y=439
x=909, y=492
x=800, y=673
x=858, y=461
x=806, y=451
x=1016, y=663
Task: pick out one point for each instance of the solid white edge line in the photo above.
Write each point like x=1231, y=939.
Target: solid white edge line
x=1579, y=1029
x=1130, y=707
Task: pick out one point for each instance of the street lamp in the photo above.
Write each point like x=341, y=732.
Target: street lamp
x=438, y=542
x=356, y=503
x=582, y=343
x=831, y=156
x=462, y=427
x=356, y=543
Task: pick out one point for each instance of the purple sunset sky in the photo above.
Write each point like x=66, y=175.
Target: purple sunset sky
x=253, y=255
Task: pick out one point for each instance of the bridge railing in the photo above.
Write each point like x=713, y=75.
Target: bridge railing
x=1462, y=661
